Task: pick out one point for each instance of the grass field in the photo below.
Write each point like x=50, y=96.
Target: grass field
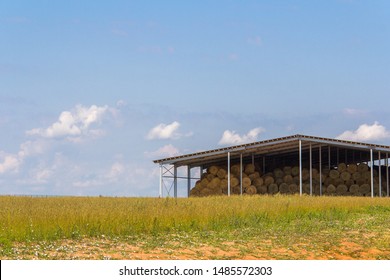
x=248, y=227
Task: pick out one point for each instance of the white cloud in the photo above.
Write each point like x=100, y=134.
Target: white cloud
x=166, y=151
x=73, y=124
x=366, y=132
x=164, y=131
x=233, y=138
x=9, y=163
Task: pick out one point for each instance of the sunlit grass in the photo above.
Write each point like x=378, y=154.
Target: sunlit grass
x=52, y=218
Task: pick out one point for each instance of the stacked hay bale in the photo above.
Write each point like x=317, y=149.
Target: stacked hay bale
x=351, y=179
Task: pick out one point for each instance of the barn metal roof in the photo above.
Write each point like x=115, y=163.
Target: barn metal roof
x=268, y=147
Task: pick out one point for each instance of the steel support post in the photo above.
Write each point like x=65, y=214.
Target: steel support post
x=387, y=174
x=372, y=172
x=329, y=156
x=175, y=181
x=188, y=180
x=241, y=167
x=161, y=181
x=320, y=159
x=380, y=174
x=228, y=167
x=300, y=166
x=311, y=170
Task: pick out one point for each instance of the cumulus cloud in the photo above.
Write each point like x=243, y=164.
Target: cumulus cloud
x=366, y=132
x=9, y=163
x=73, y=123
x=164, y=131
x=232, y=138
x=166, y=151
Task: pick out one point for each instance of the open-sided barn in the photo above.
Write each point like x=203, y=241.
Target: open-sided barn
x=287, y=165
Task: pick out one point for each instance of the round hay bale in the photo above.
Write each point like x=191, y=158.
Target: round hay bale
x=278, y=173
x=213, y=169
x=288, y=179
x=337, y=181
x=356, y=176
x=352, y=168
x=214, y=183
x=349, y=183
x=236, y=190
x=223, y=184
x=293, y=188
x=341, y=189
x=331, y=189
x=234, y=182
x=305, y=174
x=334, y=174
x=278, y=181
x=262, y=189
x=249, y=169
x=246, y=182
x=273, y=188
x=235, y=170
x=254, y=175
x=366, y=176
x=345, y=176
x=365, y=189
x=283, y=188
x=296, y=180
x=295, y=171
x=341, y=167
x=315, y=172
x=204, y=182
x=287, y=170
x=251, y=190
x=354, y=188
x=210, y=176
x=221, y=173
x=362, y=167
x=361, y=181
x=306, y=188
x=328, y=181
x=268, y=180
x=205, y=192
x=257, y=182
x=317, y=177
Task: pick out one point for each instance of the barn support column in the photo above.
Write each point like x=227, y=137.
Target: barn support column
x=380, y=174
x=387, y=174
x=300, y=167
x=263, y=164
x=311, y=170
x=175, y=181
x=320, y=169
x=161, y=181
x=188, y=180
x=329, y=156
x=372, y=172
x=228, y=167
x=241, y=167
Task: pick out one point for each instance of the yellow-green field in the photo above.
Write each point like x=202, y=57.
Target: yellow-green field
x=261, y=227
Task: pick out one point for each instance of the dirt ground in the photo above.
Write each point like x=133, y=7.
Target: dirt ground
x=92, y=249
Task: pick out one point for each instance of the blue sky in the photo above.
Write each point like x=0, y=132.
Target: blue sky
x=92, y=91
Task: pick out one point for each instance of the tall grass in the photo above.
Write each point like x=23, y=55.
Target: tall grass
x=34, y=219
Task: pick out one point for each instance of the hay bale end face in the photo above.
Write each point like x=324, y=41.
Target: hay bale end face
x=343, y=179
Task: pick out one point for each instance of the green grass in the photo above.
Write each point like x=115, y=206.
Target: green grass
x=154, y=222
